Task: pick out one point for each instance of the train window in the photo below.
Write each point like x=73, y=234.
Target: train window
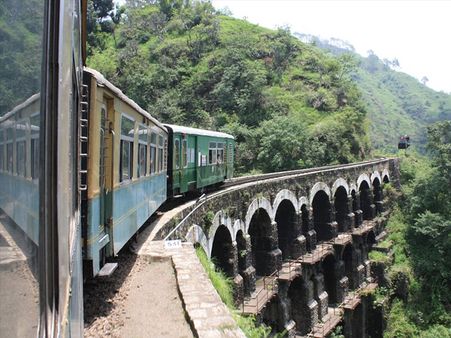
x=220, y=155
x=142, y=159
x=160, y=153
x=126, y=158
x=142, y=151
x=20, y=158
x=9, y=157
x=34, y=158
x=153, y=153
x=185, y=153
x=177, y=154
x=34, y=129
x=212, y=153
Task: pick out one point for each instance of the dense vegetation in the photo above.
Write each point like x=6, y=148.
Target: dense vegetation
x=288, y=104
x=397, y=103
x=20, y=51
x=420, y=235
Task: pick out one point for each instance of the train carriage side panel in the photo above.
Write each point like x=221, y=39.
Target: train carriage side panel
x=127, y=173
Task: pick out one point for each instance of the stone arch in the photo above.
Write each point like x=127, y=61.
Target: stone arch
x=385, y=176
x=340, y=182
x=222, y=251
x=363, y=178
x=377, y=194
x=319, y=186
x=265, y=253
x=258, y=203
x=348, y=258
x=322, y=218
x=375, y=175
x=238, y=225
x=286, y=219
x=340, y=195
x=303, y=307
x=220, y=219
x=196, y=235
x=328, y=266
x=366, y=200
x=242, y=250
x=285, y=194
x=304, y=210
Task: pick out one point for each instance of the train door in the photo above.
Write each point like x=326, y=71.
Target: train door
x=229, y=158
x=105, y=175
x=177, y=169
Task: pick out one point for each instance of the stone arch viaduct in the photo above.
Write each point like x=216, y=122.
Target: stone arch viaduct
x=299, y=242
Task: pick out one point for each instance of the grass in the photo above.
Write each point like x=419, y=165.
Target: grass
x=224, y=287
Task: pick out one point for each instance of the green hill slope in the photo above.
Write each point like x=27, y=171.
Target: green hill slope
x=288, y=104
x=397, y=103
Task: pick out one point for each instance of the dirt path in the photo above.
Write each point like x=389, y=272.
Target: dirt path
x=139, y=300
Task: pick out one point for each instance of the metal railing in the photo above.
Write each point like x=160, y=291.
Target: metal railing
x=266, y=288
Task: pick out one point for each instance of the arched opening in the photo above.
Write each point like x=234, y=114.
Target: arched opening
x=385, y=179
x=370, y=240
x=242, y=252
x=330, y=278
x=341, y=208
x=285, y=219
x=305, y=219
x=348, y=260
x=377, y=192
x=222, y=251
x=321, y=216
x=365, y=200
x=299, y=295
x=260, y=232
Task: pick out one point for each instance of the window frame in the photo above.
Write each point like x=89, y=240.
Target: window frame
x=129, y=141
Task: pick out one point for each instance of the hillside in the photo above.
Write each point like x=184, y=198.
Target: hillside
x=289, y=104
x=397, y=103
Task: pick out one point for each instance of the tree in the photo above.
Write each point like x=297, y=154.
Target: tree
x=424, y=80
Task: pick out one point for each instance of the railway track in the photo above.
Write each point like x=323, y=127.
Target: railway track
x=253, y=178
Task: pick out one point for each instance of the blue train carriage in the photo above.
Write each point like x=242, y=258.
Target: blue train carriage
x=200, y=158
x=126, y=168
x=19, y=166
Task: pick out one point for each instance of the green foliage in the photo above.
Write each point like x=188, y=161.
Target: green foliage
x=21, y=26
x=187, y=64
x=399, y=324
x=223, y=286
x=221, y=283
x=379, y=257
x=420, y=231
x=397, y=103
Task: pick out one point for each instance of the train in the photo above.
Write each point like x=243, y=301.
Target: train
x=82, y=167
x=134, y=164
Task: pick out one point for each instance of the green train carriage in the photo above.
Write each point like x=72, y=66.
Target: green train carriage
x=199, y=158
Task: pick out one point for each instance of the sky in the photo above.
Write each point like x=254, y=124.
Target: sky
x=417, y=33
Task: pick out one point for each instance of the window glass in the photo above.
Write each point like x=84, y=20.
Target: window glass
x=20, y=158
x=9, y=157
x=34, y=158
x=212, y=153
x=126, y=164
x=185, y=153
x=177, y=154
x=22, y=33
x=127, y=127
x=142, y=159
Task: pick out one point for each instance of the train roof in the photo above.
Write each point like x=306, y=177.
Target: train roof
x=196, y=131
x=103, y=81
